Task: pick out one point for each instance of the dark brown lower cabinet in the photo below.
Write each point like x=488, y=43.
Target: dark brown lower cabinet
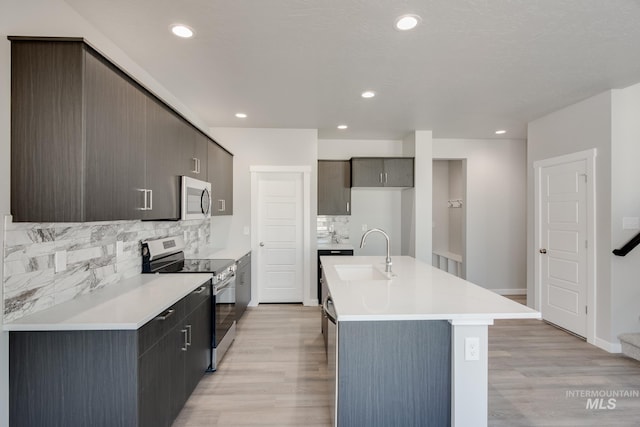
x=111, y=378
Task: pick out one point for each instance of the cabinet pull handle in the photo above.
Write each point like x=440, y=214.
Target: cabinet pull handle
x=335, y=252
x=195, y=165
x=144, y=199
x=184, y=347
x=385, y=177
x=220, y=205
x=200, y=290
x=165, y=315
x=380, y=177
x=348, y=206
x=188, y=335
x=150, y=197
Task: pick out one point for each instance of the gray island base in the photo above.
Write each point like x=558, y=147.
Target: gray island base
x=408, y=348
x=394, y=373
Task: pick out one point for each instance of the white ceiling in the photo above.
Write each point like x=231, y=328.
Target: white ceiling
x=471, y=67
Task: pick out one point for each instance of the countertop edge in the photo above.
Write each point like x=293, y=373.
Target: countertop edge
x=449, y=317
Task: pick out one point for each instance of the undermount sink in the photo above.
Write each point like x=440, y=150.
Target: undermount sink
x=350, y=272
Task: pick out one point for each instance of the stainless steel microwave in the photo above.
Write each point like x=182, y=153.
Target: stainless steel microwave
x=196, y=199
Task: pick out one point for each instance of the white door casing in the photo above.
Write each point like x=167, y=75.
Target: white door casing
x=565, y=241
x=280, y=210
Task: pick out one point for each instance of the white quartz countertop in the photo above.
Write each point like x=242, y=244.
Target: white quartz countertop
x=128, y=304
x=417, y=291
x=334, y=246
x=226, y=253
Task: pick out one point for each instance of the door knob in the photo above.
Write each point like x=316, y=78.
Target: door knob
x=543, y=251
x=261, y=244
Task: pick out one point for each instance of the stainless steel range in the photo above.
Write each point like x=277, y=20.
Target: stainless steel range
x=167, y=256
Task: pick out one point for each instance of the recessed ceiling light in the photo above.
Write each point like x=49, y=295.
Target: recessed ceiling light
x=501, y=132
x=181, y=30
x=342, y=127
x=368, y=94
x=241, y=115
x=407, y=22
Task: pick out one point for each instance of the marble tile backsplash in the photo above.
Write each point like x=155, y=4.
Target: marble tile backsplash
x=30, y=281
x=333, y=229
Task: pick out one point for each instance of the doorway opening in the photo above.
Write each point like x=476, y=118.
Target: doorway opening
x=449, y=216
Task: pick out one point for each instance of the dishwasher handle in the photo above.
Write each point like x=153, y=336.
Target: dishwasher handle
x=328, y=309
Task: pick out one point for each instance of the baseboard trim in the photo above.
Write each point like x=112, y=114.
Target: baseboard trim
x=608, y=346
x=522, y=291
x=310, y=302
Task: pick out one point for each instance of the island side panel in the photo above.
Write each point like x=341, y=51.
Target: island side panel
x=73, y=378
x=394, y=373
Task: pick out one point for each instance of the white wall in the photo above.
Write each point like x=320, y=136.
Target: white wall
x=440, y=209
x=370, y=207
x=408, y=227
x=456, y=215
x=344, y=149
x=495, y=256
x=625, y=202
x=424, y=189
x=264, y=147
x=579, y=127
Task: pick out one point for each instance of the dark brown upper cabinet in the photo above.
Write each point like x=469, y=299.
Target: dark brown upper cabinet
x=88, y=143
x=114, y=141
x=382, y=172
x=165, y=162
x=77, y=135
x=221, y=179
x=334, y=187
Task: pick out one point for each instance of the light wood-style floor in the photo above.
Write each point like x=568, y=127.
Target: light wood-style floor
x=275, y=375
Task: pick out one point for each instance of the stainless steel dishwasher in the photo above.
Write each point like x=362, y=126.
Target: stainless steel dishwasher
x=332, y=354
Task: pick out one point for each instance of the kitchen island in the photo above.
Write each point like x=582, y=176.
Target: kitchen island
x=411, y=346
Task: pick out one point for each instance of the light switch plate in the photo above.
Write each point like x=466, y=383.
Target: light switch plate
x=630, y=223
x=60, y=261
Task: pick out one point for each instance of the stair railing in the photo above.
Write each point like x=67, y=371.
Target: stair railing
x=631, y=244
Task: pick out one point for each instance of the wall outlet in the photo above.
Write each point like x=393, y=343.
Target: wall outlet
x=119, y=248
x=245, y=230
x=60, y=261
x=364, y=227
x=472, y=348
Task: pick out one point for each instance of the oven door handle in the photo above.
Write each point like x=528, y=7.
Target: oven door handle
x=224, y=285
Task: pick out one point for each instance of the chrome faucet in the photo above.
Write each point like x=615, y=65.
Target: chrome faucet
x=387, y=268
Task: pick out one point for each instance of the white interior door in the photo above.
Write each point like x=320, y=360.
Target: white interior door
x=563, y=244
x=280, y=233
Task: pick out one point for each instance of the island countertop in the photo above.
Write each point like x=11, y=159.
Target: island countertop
x=415, y=291
x=129, y=304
